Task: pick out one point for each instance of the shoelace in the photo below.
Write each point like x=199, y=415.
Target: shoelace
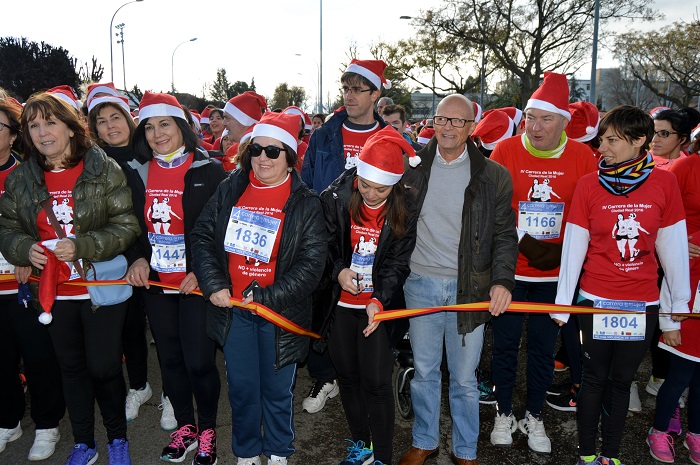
x=661, y=436
x=118, y=451
x=178, y=436
x=207, y=441
x=316, y=389
x=355, y=450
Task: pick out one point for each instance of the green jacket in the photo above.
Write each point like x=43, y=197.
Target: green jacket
x=104, y=221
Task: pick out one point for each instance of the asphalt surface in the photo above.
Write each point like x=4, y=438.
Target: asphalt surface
x=320, y=436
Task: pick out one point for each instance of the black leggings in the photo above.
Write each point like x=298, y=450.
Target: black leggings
x=134, y=342
x=187, y=356
x=364, y=366
x=682, y=373
x=609, y=367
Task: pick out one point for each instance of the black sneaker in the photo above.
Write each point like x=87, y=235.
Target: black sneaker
x=486, y=395
x=183, y=440
x=558, y=388
x=206, y=452
x=565, y=402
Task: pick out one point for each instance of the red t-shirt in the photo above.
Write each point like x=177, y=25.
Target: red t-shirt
x=165, y=220
x=353, y=141
x=364, y=239
x=253, y=234
x=664, y=163
x=542, y=192
x=60, y=185
x=623, y=229
x=8, y=287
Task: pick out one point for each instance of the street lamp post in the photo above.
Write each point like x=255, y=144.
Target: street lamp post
x=594, y=58
x=432, y=104
x=319, y=97
x=172, y=63
x=111, y=28
x=120, y=34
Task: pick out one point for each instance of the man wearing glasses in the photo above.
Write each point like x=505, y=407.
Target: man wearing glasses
x=333, y=148
x=466, y=250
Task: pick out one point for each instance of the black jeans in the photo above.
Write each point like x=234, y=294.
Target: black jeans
x=22, y=336
x=88, y=345
x=187, y=356
x=134, y=342
x=609, y=367
x=364, y=366
x=682, y=373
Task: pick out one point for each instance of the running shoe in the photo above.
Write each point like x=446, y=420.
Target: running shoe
x=692, y=443
x=564, y=402
x=81, y=454
x=558, y=366
x=537, y=439
x=206, y=451
x=119, y=452
x=635, y=404
x=183, y=440
x=661, y=445
x=653, y=385
x=674, y=426
x=358, y=454
x=503, y=428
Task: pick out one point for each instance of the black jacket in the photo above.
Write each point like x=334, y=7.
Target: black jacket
x=201, y=181
x=300, y=262
x=488, y=245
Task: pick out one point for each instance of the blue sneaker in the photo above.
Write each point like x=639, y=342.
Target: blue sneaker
x=119, y=452
x=358, y=454
x=82, y=455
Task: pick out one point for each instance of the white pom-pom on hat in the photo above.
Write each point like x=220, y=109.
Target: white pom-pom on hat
x=45, y=318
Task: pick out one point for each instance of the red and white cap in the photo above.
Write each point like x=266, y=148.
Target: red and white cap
x=153, y=104
x=477, y=112
x=552, y=95
x=195, y=115
x=381, y=158
x=425, y=135
x=280, y=126
x=248, y=134
x=247, y=108
x=118, y=100
x=66, y=94
x=516, y=114
x=695, y=132
x=102, y=88
x=292, y=110
x=373, y=70
x=493, y=128
x=584, y=121
x=205, y=116
x=656, y=110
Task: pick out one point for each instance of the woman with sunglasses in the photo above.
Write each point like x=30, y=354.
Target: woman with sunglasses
x=181, y=178
x=672, y=130
x=261, y=237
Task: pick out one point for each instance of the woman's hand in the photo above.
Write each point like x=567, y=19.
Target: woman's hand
x=65, y=250
x=188, y=284
x=137, y=274
x=693, y=250
x=247, y=301
x=349, y=281
x=500, y=299
x=221, y=298
x=37, y=257
x=672, y=338
x=678, y=317
x=22, y=274
x=372, y=309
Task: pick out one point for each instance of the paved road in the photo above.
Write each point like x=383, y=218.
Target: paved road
x=320, y=436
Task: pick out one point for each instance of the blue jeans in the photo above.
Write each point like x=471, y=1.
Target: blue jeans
x=463, y=353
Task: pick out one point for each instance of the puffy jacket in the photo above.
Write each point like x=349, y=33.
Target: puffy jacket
x=104, y=220
x=488, y=245
x=300, y=262
x=324, y=160
x=201, y=181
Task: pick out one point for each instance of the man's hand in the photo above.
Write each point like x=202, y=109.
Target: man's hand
x=500, y=300
x=672, y=338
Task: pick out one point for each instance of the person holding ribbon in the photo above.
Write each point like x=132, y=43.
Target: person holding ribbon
x=628, y=183
x=261, y=238
x=368, y=204
x=182, y=178
x=63, y=164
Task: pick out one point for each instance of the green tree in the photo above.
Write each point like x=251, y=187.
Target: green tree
x=239, y=87
x=576, y=92
x=285, y=96
x=221, y=87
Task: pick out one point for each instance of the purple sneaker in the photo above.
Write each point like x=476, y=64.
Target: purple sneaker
x=660, y=446
x=674, y=426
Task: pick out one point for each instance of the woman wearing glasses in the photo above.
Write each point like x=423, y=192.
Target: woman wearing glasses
x=672, y=134
x=173, y=185
x=261, y=236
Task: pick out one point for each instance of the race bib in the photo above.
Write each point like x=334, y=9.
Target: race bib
x=168, y=252
x=362, y=265
x=541, y=220
x=617, y=327
x=5, y=266
x=251, y=234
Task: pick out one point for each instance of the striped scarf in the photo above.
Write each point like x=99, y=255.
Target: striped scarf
x=623, y=178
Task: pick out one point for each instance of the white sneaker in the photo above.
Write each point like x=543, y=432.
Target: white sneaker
x=537, y=438
x=503, y=429
x=683, y=399
x=249, y=461
x=167, y=418
x=653, y=385
x=135, y=399
x=44, y=444
x=277, y=460
x=320, y=392
x=635, y=403
x=9, y=435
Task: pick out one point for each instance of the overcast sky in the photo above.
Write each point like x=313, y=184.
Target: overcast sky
x=257, y=38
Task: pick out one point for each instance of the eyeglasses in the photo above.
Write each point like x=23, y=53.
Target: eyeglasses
x=455, y=122
x=3, y=125
x=663, y=134
x=353, y=90
x=272, y=152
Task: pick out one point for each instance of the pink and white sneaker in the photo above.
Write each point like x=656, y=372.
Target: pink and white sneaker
x=661, y=445
x=692, y=443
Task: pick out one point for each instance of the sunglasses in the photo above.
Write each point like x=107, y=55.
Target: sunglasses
x=272, y=152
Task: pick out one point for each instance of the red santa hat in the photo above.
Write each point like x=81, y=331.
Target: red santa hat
x=493, y=128
x=246, y=108
x=656, y=110
x=102, y=88
x=195, y=114
x=552, y=95
x=14, y=102
x=584, y=121
x=205, y=116
x=154, y=104
x=280, y=126
x=373, y=70
x=425, y=135
x=477, y=112
x=54, y=273
x=292, y=110
x=118, y=100
x=66, y=94
x=381, y=158
x=516, y=114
